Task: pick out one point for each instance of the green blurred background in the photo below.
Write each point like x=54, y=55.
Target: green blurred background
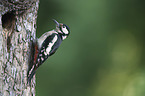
x=104, y=54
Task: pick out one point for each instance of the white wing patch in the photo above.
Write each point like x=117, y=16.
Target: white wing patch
x=48, y=49
x=44, y=36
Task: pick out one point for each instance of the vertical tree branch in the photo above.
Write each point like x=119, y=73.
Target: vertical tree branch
x=17, y=32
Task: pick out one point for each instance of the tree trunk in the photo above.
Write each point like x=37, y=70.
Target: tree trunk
x=17, y=32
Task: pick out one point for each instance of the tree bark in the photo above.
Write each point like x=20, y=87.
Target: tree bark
x=17, y=32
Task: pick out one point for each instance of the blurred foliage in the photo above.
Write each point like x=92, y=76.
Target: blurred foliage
x=104, y=54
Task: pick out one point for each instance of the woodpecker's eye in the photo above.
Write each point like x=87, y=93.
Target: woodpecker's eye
x=63, y=26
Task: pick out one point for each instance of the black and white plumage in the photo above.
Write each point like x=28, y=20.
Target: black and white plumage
x=47, y=45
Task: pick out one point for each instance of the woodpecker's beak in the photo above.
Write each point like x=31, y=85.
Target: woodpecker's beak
x=57, y=24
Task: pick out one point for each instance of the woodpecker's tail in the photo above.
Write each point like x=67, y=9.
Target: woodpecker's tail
x=31, y=73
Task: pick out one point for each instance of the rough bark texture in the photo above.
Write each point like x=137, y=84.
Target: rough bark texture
x=17, y=31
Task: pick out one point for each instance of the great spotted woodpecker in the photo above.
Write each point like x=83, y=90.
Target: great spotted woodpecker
x=47, y=45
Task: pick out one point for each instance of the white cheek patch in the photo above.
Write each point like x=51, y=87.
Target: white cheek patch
x=51, y=44
x=65, y=30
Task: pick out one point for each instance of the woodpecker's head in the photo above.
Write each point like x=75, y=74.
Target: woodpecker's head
x=62, y=29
